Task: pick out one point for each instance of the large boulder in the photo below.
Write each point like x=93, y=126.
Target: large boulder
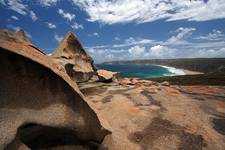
x=40, y=106
x=106, y=76
x=71, y=55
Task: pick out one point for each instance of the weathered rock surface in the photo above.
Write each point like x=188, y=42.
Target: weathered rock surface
x=134, y=81
x=155, y=117
x=71, y=55
x=40, y=106
x=106, y=76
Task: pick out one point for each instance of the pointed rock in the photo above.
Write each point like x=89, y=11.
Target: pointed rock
x=71, y=55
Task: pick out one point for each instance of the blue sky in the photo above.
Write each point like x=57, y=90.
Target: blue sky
x=123, y=29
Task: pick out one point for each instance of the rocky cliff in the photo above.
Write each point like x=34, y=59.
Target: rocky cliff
x=71, y=55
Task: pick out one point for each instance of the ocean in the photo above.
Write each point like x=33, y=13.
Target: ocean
x=141, y=71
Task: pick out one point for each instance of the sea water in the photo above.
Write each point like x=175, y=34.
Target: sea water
x=141, y=71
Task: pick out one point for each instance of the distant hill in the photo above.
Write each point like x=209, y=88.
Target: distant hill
x=195, y=64
x=213, y=78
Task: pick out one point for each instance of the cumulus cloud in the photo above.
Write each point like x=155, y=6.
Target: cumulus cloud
x=33, y=16
x=160, y=51
x=77, y=26
x=19, y=7
x=66, y=15
x=215, y=35
x=140, y=11
x=48, y=2
x=182, y=34
x=100, y=55
x=134, y=41
x=57, y=37
x=136, y=50
x=51, y=25
x=210, y=53
x=14, y=18
x=16, y=5
x=94, y=34
x=182, y=44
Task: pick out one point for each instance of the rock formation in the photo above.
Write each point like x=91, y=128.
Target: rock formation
x=71, y=55
x=40, y=106
x=19, y=36
x=106, y=76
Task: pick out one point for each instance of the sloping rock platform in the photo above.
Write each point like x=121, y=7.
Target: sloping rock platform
x=150, y=116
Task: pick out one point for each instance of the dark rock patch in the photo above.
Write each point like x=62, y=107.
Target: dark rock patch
x=160, y=128
x=150, y=98
x=93, y=90
x=107, y=99
x=37, y=136
x=219, y=124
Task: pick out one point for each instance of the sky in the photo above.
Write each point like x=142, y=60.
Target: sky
x=123, y=29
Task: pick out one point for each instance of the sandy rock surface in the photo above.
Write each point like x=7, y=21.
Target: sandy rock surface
x=156, y=117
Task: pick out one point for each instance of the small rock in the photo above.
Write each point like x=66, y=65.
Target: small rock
x=107, y=76
x=165, y=83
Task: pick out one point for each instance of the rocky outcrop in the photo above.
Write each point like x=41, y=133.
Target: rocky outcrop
x=40, y=106
x=71, y=55
x=18, y=36
x=106, y=76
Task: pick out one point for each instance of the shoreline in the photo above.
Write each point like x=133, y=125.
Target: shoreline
x=180, y=71
x=189, y=72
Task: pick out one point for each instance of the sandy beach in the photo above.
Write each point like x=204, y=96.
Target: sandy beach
x=189, y=72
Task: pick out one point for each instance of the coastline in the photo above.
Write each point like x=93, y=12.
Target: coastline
x=189, y=72
x=180, y=71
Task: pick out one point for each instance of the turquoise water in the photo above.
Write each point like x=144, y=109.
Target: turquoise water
x=138, y=70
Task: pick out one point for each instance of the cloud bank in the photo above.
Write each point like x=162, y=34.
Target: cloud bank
x=141, y=11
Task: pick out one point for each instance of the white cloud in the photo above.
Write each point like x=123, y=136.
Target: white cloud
x=33, y=16
x=57, y=37
x=77, y=26
x=66, y=15
x=181, y=45
x=50, y=25
x=182, y=34
x=100, y=55
x=160, y=51
x=48, y=2
x=135, y=41
x=14, y=17
x=136, y=50
x=210, y=53
x=215, y=35
x=16, y=5
x=140, y=11
x=93, y=34
x=19, y=7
